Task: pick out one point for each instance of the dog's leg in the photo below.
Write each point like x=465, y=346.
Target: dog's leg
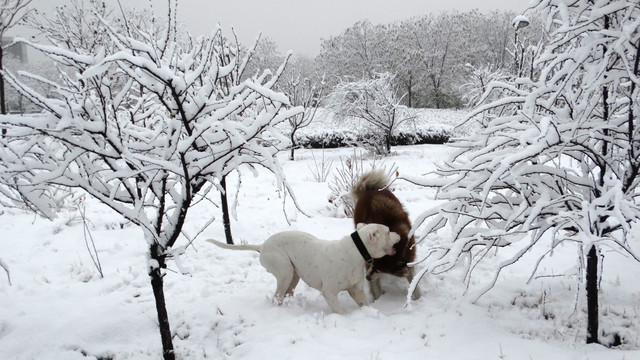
x=358, y=295
x=283, y=271
x=374, y=285
x=294, y=283
x=332, y=300
x=416, y=293
x=284, y=280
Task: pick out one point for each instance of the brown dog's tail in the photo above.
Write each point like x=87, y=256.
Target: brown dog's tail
x=235, y=247
x=375, y=179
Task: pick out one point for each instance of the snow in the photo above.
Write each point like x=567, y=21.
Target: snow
x=58, y=307
x=520, y=21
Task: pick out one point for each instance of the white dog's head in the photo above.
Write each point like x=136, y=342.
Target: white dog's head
x=378, y=240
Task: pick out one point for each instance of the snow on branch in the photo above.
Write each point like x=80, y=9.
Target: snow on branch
x=143, y=123
x=559, y=157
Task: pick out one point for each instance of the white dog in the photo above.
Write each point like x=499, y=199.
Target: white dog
x=328, y=266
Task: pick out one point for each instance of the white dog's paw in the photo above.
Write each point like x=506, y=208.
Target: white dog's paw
x=370, y=311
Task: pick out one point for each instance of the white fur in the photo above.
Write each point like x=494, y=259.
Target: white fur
x=328, y=266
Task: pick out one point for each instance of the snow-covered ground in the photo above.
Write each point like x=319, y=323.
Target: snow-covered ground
x=58, y=307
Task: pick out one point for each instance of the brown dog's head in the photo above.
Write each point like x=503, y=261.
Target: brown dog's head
x=378, y=240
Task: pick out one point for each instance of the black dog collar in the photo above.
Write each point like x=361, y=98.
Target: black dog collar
x=361, y=248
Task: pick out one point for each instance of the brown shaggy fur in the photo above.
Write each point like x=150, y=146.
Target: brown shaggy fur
x=377, y=204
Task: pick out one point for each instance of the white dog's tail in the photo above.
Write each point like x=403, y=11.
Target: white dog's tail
x=235, y=247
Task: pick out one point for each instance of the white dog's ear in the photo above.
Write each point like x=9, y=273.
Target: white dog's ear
x=360, y=225
x=373, y=238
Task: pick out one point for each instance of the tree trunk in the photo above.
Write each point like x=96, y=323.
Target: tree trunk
x=388, y=143
x=410, y=89
x=293, y=144
x=226, y=220
x=592, y=296
x=3, y=107
x=157, y=283
x=592, y=256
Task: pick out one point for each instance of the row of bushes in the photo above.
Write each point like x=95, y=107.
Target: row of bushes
x=346, y=138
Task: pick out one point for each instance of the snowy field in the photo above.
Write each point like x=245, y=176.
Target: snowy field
x=58, y=307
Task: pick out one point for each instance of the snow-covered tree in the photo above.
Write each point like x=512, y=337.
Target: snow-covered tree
x=436, y=43
x=426, y=54
x=373, y=101
x=355, y=54
x=264, y=54
x=11, y=13
x=144, y=121
x=558, y=161
x=305, y=88
x=478, y=82
x=404, y=63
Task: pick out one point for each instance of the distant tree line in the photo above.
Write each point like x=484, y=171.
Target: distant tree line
x=436, y=60
x=439, y=61
x=431, y=56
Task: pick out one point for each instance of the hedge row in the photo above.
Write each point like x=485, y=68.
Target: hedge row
x=347, y=138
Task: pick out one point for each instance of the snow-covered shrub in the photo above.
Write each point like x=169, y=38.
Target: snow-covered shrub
x=421, y=135
x=373, y=101
x=328, y=139
x=347, y=173
x=345, y=177
x=335, y=138
x=559, y=160
x=321, y=168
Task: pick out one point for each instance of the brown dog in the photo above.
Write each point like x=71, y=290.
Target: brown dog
x=377, y=204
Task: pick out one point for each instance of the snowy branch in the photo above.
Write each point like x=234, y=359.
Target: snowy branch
x=552, y=158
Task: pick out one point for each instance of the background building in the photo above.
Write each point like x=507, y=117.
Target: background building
x=19, y=51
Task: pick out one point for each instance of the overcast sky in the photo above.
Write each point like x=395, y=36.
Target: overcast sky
x=299, y=25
